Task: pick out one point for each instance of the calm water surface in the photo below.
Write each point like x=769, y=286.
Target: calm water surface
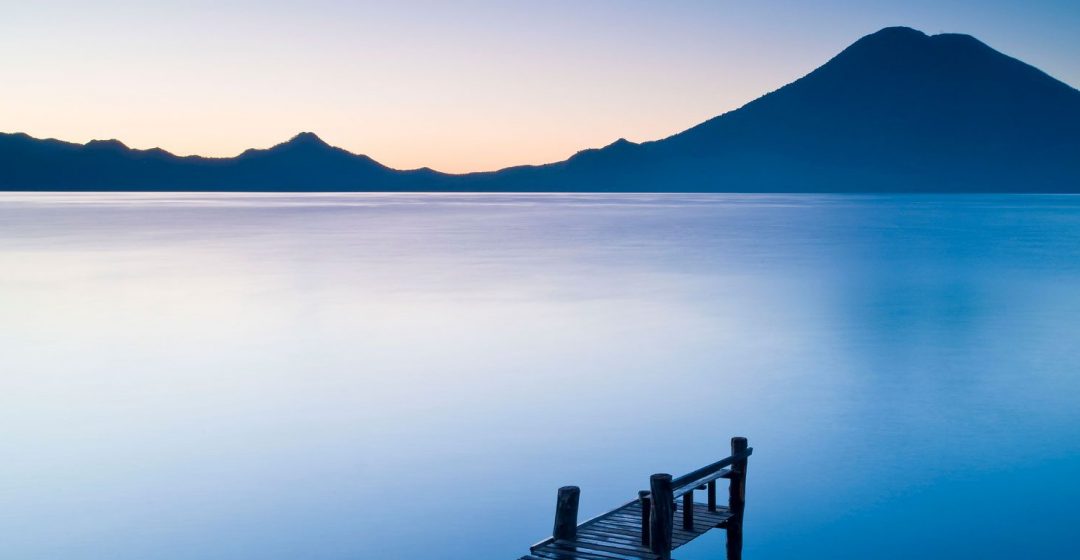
x=190, y=376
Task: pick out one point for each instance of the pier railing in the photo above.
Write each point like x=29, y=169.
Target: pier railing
x=658, y=505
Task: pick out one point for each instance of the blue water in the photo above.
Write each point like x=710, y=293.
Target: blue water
x=412, y=376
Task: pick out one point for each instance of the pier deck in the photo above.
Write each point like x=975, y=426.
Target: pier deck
x=616, y=535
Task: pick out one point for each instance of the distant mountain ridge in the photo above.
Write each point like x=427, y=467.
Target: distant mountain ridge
x=897, y=111
x=304, y=163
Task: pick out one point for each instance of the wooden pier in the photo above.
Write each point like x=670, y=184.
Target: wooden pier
x=658, y=521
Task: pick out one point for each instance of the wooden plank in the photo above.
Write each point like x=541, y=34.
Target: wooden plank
x=622, y=522
x=632, y=503
x=611, y=546
x=594, y=551
x=602, y=527
x=548, y=553
x=616, y=528
x=614, y=537
x=599, y=535
x=615, y=531
x=629, y=521
x=612, y=530
x=552, y=552
x=636, y=552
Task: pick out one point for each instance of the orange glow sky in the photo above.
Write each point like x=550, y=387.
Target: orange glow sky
x=457, y=86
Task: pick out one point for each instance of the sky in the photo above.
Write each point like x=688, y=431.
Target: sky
x=458, y=86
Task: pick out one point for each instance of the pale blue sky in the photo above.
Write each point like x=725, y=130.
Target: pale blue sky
x=457, y=86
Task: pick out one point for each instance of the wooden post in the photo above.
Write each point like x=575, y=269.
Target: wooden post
x=737, y=488
x=734, y=542
x=566, y=508
x=688, y=511
x=663, y=515
x=736, y=500
x=712, y=495
x=646, y=511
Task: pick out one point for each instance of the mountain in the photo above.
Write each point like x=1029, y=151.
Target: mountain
x=897, y=111
x=304, y=163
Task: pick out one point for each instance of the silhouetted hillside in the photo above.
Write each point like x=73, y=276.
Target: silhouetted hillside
x=304, y=163
x=896, y=111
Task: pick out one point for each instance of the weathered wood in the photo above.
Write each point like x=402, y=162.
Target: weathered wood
x=611, y=547
x=737, y=498
x=597, y=532
x=702, y=482
x=737, y=487
x=646, y=511
x=566, y=510
x=662, y=518
x=712, y=495
x=603, y=550
x=688, y=511
x=620, y=525
x=708, y=472
x=734, y=541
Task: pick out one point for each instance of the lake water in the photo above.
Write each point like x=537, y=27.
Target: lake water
x=334, y=377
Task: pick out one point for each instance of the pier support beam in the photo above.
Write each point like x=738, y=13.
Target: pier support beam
x=663, y=515
x=712, y=495
x=646, y=515
x=688, y=511
x=737, y=488
x=736, y=499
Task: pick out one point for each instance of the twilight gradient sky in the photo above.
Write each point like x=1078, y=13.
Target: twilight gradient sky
x=457, y=86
